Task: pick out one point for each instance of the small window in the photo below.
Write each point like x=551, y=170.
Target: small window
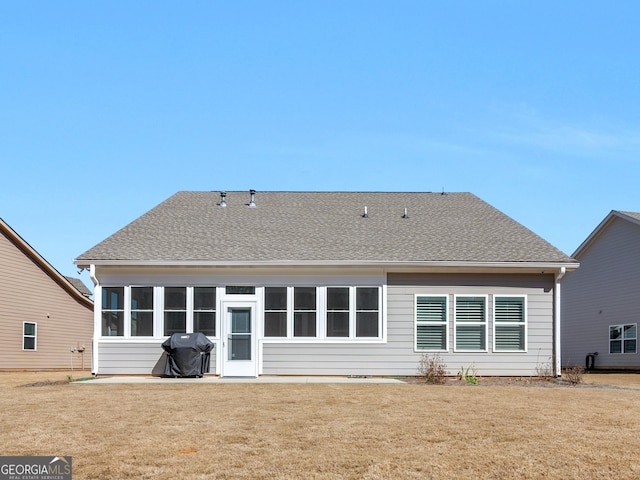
x=431, y=323
x=304, y=311
x=471, y=323
x=204, y=310
x=29, y=330
x=112, y=311
x=509, y=324
x=275, y=311
x=175, y=310
x=623, y=338
x=240, y=290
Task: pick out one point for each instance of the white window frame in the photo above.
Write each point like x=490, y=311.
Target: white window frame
x=158, y=312
x=622, y=338
x=456, y=322
x=34, y=336
x=524, y=324
x=321, y=316
x=445, y=322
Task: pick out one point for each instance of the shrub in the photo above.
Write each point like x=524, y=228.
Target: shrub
x=544, y=371
x=573, y=375
x=433, y=369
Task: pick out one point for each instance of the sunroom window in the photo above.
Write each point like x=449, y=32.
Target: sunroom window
x=112, y=311
x=204, y=310
x=275, y=311
x=304, y=312
x=175, y=310
x=141, y=311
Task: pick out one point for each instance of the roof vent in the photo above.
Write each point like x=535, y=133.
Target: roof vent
x=252, y=202
x=365, y=214
x=223, y=199
x=405, y=214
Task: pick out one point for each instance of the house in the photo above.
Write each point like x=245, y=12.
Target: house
x=43, y=314
x=327, y=283
x=601, y=300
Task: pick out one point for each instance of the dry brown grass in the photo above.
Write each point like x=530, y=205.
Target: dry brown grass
x=271, y=431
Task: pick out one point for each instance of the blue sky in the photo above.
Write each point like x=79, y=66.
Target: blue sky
x=108, y=108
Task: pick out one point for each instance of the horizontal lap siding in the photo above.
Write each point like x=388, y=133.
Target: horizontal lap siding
x=397, y=356
x=604, y=291
x=135, y=358
x=29, y=294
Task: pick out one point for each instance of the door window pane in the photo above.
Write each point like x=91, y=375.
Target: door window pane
x=240, y=335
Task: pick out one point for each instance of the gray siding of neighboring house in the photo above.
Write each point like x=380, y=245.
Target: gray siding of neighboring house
x=135, y=358
x=29, y=294
x=397, y=355
x=604, y=291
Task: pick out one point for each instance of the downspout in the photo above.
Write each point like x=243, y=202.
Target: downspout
x=557, y=316
x=97, y=322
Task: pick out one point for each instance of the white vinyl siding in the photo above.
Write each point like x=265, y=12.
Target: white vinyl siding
x=509, y=324
x=471, y=323
x=431, y=334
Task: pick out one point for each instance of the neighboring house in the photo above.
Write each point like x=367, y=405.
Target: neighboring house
x=601, y=300
x=43, y=315
x=327, y=283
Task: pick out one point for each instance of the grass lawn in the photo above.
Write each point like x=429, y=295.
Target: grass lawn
x=323, y=431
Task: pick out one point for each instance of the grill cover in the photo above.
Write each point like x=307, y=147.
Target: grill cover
x=188, y=354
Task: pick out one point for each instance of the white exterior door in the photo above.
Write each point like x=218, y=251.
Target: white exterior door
x=239, y=340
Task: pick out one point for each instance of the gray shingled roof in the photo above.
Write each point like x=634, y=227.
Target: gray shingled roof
x=635, y=215
x=79, y=285
x=324, y=226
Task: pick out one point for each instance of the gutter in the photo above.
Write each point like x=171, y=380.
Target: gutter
x=556, y=318
x=97, y=321
x=403, y=265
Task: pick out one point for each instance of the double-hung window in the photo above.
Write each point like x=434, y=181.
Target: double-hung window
x=29, y=330
x=623, y=338
x=431, y=323
x=509, y=324
x=471, y=323
x=112, y=311
x=175, y=310
x=141, y=311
